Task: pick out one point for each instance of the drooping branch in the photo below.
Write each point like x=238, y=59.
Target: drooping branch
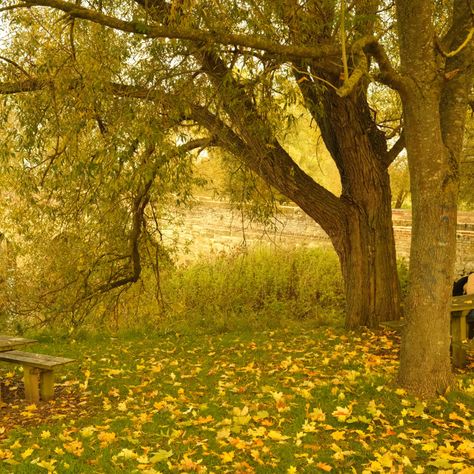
x=140, y=202
x=187, y=33
x=16, y=65
x=387, y=75
x=14, y=7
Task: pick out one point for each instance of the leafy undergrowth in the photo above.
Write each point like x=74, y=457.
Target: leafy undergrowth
x=269, y=402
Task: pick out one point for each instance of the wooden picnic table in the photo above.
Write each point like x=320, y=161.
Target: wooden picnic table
x=38, y=369
x=8, y=343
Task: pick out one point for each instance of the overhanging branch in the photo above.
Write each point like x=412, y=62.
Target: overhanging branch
x=187, y=33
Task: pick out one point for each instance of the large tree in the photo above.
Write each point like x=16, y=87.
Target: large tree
x=241, y=60
x=226, y=69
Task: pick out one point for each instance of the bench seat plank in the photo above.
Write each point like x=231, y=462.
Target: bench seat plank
x=41, y=361
x=37, y=372
x=461, y=303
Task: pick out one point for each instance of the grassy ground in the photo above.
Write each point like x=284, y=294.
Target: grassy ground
x=287, y=401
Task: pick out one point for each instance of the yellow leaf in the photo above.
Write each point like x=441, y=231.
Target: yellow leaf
x=5, y=454
x=257, y=432
x=127, y=454
x=122, y=406
x=45, y=435
x=112, y=372
x=342, y=413
x=429, y=447
x=291, y=470
x=48, y=465
x=106, y=437
x=88, y=431
x=323, y=466
x=338, y=435
x=160, y=456
x=26, y=453
x=228, y=456
x=317, y=415
x=223, y=433
x=276, y=436
x=74, y=447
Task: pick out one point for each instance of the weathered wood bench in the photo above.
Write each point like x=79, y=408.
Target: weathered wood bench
x=38, y=372
x=460, y=308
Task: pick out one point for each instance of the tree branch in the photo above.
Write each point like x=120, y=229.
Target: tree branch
x=138, y=211
x=388, y=75
x=392, y=154
x=13, y=7
x=186, y=33
x=273, y=164
x=456, y=51
x=13, y=63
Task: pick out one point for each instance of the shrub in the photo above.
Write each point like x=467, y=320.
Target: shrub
x=261, y=288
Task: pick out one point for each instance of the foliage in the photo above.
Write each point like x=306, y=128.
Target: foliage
x=256, y=288
x=400, y=183
x=286, y=401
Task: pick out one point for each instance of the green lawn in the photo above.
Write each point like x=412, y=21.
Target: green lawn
x=294, y=401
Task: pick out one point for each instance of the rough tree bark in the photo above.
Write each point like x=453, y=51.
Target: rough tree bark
x=434, y=111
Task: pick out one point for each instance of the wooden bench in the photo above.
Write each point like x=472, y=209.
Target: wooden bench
x=38, y=372
x=460, y=308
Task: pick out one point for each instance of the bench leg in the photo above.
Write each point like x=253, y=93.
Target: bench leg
x=47, y=385
x=31, y=378
x=459, y=334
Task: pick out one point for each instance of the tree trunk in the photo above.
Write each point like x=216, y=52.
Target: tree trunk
x=359, y=223
x=367, y=251
x=434, y=97
x=425, y=366
x=368, y=265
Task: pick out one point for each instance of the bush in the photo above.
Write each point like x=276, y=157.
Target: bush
x=260, y=289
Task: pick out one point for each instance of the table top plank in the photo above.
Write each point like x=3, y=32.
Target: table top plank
x=7, y=343
x=42, y=361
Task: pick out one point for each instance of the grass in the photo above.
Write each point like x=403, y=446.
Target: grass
x=294, y=400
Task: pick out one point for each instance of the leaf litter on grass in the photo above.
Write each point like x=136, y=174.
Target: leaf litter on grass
x=279, y=401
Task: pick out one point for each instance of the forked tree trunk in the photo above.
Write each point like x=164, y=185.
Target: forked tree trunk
x=364, y=241
x=365, y=244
